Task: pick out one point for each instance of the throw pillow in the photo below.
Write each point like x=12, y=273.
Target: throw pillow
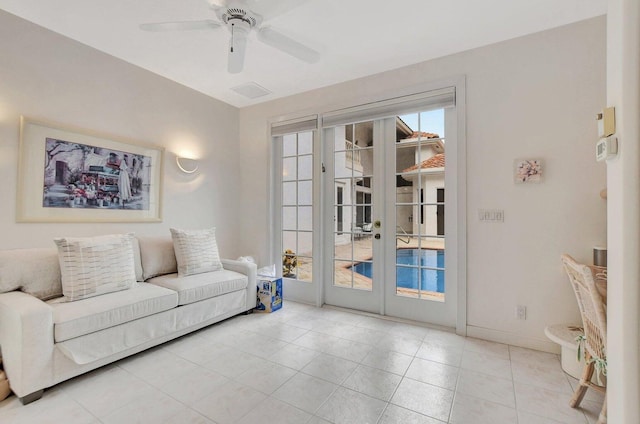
x=196, y=251
x=157, y=256
x=96, y=265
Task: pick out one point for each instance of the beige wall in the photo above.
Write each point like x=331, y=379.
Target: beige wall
x=44, y=75
x=531, y=97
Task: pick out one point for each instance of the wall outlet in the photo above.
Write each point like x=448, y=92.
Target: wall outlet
x=521, y=312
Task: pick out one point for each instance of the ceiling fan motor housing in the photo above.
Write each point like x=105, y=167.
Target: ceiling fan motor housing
x=232, y=16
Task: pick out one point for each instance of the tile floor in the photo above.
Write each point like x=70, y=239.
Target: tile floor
x=316, y=366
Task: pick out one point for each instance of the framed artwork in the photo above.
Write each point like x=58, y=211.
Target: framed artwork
x=74, y=175
x=527, y=170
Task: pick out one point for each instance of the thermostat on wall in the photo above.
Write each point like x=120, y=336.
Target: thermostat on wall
x=606, y=148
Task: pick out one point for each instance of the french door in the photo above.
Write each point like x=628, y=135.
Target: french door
x=368, y=214
x=385, y=216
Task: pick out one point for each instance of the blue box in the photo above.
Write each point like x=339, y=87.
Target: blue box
x=269, y=294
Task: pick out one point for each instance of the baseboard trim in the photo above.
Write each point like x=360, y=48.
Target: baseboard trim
x=513, y=339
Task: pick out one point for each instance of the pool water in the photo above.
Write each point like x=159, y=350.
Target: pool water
x=410, y=277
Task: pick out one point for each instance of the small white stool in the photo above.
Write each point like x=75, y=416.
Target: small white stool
x=565, y=335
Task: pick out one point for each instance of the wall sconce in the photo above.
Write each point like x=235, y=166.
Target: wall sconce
x=188, y=166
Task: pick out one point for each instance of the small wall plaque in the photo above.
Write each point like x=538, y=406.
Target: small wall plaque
x=527, y=171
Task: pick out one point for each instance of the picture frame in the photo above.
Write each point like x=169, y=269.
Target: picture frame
x=68, y=174
x=527, y=171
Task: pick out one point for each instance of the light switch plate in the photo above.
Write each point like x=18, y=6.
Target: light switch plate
x=491, y=215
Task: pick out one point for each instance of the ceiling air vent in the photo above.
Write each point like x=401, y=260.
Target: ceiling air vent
x=251, y=90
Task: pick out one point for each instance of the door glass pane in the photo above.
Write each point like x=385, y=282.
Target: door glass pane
x=343, y=223
x=343, y=275
x=363, y=246
x=289, y=145
x=404, y=221
x=343, y=191
x=289, y=166
x=305, y=218
x=289, y=193
x=434, y=243
x=289, y=218
x=362, y=275
x=406, y=278
x=428, y=219
x=406, y=159
x=305, y=269
x=305, y=243
x=344, y=250
x=364, y=157
x=305, y=143
x=305, y=256
x=305, y=192
x=289, y=240
x=305, y=167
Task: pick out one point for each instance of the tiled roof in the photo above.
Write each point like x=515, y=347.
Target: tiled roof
x=436, y=161
x=423, y=134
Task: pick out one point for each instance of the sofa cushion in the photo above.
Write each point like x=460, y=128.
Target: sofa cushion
x=73, y=319
x=157, y=256
x=196, y=251
x=193, y=288
x=33, y=271
x=91, y=266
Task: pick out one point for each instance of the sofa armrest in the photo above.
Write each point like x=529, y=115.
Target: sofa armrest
x=26, y=340
x=251, y=271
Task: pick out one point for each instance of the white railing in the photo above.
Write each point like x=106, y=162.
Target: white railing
x=352, y=155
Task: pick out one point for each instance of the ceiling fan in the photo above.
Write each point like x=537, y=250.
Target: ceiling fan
x=241, y=17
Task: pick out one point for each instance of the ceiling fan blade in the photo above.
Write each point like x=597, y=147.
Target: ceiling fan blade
x=217, y=3
x=237, y=48
x=180, y=26
x=288, y=45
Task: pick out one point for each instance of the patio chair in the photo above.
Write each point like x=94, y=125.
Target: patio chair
x=594, y=319
x=361, y=231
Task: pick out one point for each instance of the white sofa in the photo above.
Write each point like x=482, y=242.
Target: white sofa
x=44, y=342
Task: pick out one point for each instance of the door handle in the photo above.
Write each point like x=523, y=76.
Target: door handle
x=377, y=236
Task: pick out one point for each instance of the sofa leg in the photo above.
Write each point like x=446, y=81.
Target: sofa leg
x=249, y=312
x=31, y=397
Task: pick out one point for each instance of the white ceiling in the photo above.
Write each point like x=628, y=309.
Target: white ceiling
x=355, y=37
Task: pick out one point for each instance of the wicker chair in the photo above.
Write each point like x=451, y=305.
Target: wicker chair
x=594, y=319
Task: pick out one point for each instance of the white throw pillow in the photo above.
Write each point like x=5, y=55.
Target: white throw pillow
x=196, y=251
x=93, y=266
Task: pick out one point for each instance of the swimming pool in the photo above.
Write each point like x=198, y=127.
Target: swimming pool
x=410, y=276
